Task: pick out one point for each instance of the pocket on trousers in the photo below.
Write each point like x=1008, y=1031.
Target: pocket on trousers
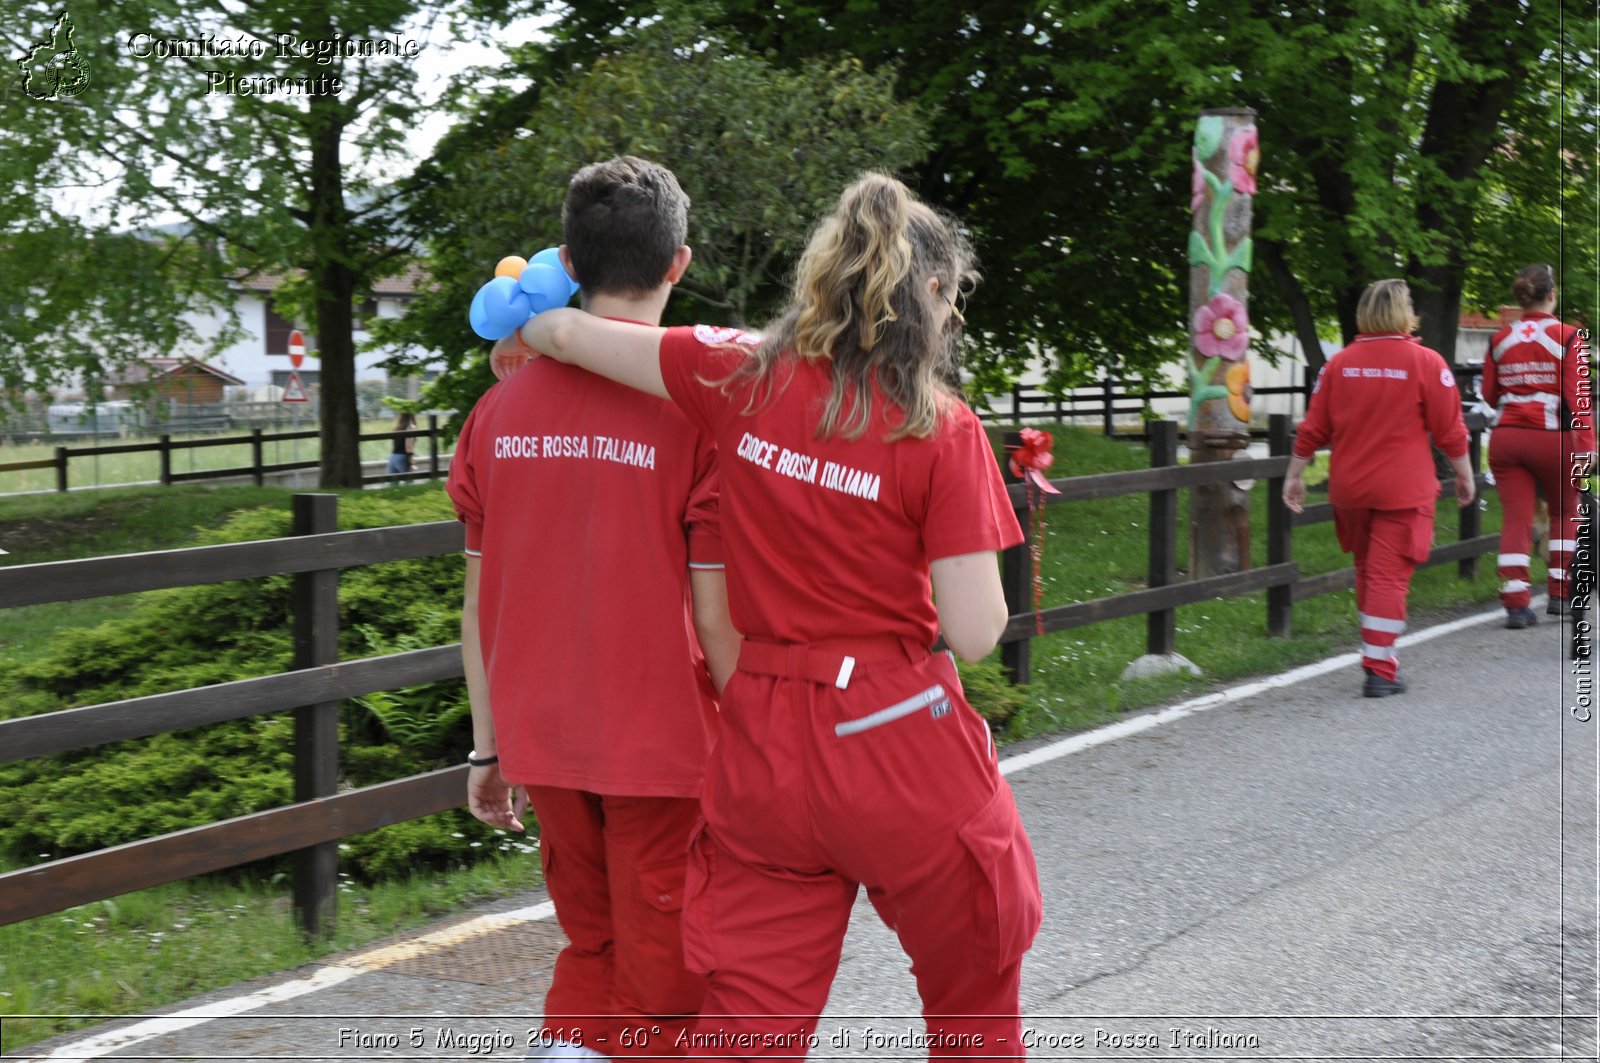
x=699, y=903
x=1421, y=544
x=661, y=885
x=1009, y=904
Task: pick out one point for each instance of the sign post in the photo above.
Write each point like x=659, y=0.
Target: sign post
x=294, y=391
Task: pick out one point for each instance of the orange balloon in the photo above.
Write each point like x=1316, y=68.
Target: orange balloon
x=511, y=266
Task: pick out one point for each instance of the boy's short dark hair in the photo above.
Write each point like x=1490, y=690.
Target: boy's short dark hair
x=624, y=219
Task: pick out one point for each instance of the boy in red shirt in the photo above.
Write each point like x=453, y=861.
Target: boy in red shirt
x=594, y=561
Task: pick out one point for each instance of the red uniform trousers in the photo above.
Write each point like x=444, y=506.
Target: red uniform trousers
x=814, y=791
x=1388, y=545
x=614, y=868
x=1520, y=459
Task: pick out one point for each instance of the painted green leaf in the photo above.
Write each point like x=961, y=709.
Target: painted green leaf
x=1208, y=136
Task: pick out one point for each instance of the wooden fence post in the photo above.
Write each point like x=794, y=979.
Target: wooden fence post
x=61, y=468
x=1280, y=530
x=316, y=727
x=433, y=446
x=1162, y=624
x=164, y=455
x=1471, y=517
x=1108, y=422
x=257, y=453
x=1016, y=575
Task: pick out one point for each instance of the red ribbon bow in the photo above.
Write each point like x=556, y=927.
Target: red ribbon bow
x=1030, y=460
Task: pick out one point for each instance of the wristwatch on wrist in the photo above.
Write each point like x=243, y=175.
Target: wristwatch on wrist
x=482, y=762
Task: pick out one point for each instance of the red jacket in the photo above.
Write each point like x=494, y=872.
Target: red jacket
x=1375, y=405
x=1537, y=376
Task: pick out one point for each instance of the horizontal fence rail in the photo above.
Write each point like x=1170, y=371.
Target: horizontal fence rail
x=98, y=577
x=310, y=827
x=258, y=469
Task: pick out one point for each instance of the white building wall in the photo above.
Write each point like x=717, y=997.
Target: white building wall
x=248, y=359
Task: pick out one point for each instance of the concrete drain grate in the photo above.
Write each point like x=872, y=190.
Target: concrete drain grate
x=507, y=953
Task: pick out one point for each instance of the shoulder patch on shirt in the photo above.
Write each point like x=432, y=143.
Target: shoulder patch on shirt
x=1447, y=378
x=712, y=335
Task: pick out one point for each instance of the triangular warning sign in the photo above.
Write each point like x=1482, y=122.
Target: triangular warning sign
x=293, y=391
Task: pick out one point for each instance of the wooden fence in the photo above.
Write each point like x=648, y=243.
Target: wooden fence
x=165, y=446
x=320, y=815
x=1280, y=577
x=1117, y=406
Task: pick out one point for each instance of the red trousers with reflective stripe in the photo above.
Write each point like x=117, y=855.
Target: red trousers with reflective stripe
x=614, y=867
x=1521, y=459
x=1388, y=545
x=813, y=792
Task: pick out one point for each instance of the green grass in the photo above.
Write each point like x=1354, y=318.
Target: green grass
x=141, y=951
x=94, y=470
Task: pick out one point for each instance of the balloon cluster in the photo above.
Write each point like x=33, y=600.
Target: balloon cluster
x=521, y=288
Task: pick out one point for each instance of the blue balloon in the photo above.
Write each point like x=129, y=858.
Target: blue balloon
x=547, y=286
x=551, y=256
x=500, y=308
x=478, y=315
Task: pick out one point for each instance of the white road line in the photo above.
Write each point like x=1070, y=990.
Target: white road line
x=323, y=978
x=376, y=959
x=106, y=1043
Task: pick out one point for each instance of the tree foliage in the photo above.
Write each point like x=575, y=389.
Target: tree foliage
x=760, y=150
x=276, y=148
x=1399, y=137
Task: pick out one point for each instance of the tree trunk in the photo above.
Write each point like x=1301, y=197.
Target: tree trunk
x=1294, y=294
x=1457, y=137
x=1219, y=400
x=336, y=284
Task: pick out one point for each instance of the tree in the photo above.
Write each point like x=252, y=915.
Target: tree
x=276, y=132
x=1387, y=127
x=761, y=152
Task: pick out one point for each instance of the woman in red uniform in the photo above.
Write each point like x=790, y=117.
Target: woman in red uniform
x=1537, y=376
x=848, y=755
x=1375, y=405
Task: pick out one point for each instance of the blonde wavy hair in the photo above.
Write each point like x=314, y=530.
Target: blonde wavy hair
x=861, y=302
x=1386, y=307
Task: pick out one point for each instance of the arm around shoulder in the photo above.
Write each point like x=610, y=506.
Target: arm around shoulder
x=623, y=351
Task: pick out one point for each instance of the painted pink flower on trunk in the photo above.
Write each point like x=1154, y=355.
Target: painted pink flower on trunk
x=1244, y=157
x=1197, y=186
x=1221, y=328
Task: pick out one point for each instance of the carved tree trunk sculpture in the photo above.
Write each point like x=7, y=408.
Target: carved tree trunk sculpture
x=1226, y=154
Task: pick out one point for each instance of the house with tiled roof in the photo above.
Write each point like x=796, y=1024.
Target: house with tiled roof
x=261, y=358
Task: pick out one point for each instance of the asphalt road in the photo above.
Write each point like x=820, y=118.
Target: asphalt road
x=1294, y=873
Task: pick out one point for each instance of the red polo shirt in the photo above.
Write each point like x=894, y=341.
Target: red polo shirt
x=588, y=502
x=831, y=538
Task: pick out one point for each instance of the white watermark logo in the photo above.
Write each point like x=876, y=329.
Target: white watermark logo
x=54, y=69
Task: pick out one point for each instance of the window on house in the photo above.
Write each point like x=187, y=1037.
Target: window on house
x=278, y=329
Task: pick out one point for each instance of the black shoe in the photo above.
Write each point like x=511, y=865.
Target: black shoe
x=1517, y=619
x=1557, y=607
x=1378, y=687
